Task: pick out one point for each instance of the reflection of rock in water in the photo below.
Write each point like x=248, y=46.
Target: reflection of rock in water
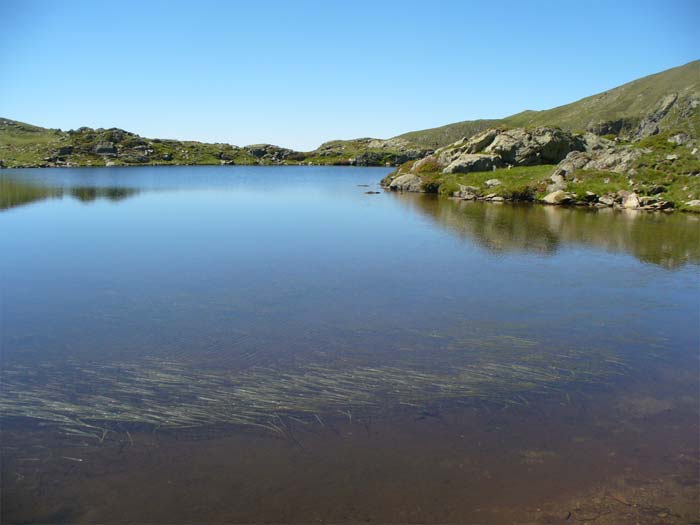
x=15, y=193
x=88, y=194
x=669, y=240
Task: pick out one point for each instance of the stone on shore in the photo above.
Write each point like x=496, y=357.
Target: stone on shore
x=557, y=197
x=408, y=182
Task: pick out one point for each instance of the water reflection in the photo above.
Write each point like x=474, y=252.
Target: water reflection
x=670, y=241
x=15, y=193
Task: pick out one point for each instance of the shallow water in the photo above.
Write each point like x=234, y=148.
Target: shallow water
x=245, y=344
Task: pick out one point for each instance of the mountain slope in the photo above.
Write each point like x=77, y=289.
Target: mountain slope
x=669, y=99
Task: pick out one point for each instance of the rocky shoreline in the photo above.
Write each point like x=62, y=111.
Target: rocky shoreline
x=556, y=167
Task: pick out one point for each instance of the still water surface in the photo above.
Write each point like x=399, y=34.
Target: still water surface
x=247, y=344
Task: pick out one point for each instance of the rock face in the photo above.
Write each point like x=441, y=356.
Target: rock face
x=408, y=182
x=520, y=147
x=650, y=123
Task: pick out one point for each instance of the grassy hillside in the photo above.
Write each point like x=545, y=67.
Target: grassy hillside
x=24, y=145
x=621, y=109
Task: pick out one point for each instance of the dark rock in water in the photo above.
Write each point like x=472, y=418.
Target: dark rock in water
x=372, y=192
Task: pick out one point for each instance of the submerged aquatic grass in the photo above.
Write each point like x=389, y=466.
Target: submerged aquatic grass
x=87, y=399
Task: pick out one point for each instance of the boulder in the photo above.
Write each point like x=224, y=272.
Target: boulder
x=492, y=182
x=408, y=182
x=469, y=193
x=630, y=201
x=557, y=197
x=695, y=203
x=558, y=182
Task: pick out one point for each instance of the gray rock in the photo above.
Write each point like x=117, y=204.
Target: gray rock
x=408, y=182
x=606, y=200
x=630, y=201
x=497, y=198
x=492, y=182
x=650, y=123
x=672, y=157
x=521, y=147
x=478, y=142
x=680, y=138
x=558, y=182
x=557, y=197
x=695, y=203
x=469, y=193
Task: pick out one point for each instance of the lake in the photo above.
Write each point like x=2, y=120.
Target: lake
x=274, y=344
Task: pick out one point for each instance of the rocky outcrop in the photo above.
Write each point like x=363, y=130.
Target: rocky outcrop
x=496, y=148
x=599, y=154
x=368, y=152
x=521, y=147
x=268, y=152
x=650, y=123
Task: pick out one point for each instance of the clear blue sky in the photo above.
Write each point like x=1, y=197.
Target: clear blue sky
x=299, y=73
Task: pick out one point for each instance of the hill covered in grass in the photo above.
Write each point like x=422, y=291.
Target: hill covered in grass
x=25, y=145
x=640, y=108
x=664, y=102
